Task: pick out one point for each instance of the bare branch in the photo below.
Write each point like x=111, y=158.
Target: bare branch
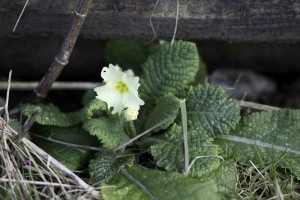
x=27, y=125
x=62, y=56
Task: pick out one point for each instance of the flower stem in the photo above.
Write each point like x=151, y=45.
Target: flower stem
x=144, y=133
x=184, y=137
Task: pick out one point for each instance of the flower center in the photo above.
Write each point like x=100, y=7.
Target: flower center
x=122, y=87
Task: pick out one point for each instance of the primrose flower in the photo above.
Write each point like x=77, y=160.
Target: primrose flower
x=120, y=91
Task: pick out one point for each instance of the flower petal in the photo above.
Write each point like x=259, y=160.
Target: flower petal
x=112, y=73
x=111, y=96
x=132, y=101
x=118, y=98
x=116, y=103
x=129, y=73
x=132, y=82
x=104, y=92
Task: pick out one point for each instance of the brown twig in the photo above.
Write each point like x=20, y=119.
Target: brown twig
x=27, y=125
x=62, y=56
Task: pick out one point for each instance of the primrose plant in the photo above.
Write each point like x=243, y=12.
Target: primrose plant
x=213, y=128
x=120, y=91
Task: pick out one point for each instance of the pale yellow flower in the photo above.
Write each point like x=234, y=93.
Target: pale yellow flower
x=131, y=114
x=120, y=90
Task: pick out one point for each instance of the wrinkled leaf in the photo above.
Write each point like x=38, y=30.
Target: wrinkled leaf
x=108, y=130
x=73, y=158
x=168, y=153
x=169, y=70
x=51, y=116
x=266, y=137
x=128, y=53
x=16, y=125
x=225, y=176
x=165, y=106
x=93, y=109
x=105, y=165
x=202, y=74
x=88, y=96
x=130, y=129
x=210, y=111
x=153, y=184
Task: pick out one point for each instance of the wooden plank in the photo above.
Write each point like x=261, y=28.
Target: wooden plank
x=228, y=20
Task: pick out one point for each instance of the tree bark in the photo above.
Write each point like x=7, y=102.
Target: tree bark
x=227, y=20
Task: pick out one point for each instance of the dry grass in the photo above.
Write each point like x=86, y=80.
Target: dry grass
x=27, y=172
x=266, y=182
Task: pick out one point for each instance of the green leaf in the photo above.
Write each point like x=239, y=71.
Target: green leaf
x=127, y=53
x=171, y=69
x=88, y=96
x=225, y=176
x=108, y=130
x=16, y=125
x=266, y=137
x=142, y=184
x=130, y=129
x=210, y=111
x=105, y=165
x=2, y=102
x=201, y=77
x=51, y=116
x=165, y=106
x=93, y=109
x=168, y=154
x=72, y=158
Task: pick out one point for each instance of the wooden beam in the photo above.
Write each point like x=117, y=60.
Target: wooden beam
x=227, y=20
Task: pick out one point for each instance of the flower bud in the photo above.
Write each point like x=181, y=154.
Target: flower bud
x=131, y=114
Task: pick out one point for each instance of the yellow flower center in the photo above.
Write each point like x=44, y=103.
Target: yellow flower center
x=122, y=87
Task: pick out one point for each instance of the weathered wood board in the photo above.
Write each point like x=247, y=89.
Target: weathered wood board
x=227, y=20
